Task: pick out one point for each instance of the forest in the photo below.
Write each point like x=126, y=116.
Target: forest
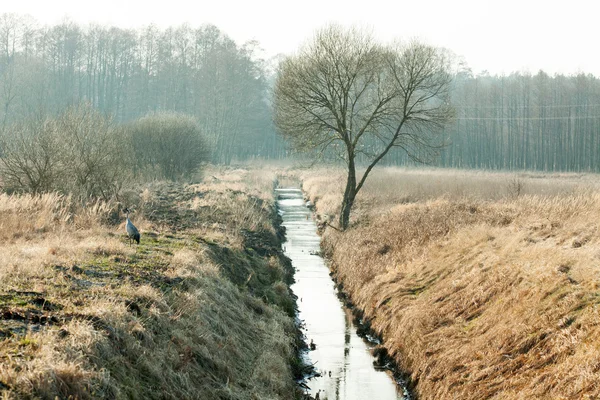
x=514, y=122
x=525, y=122
x=126, y=74
x=521, y=122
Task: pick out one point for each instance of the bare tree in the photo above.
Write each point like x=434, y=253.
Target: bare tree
x=10, y=32
x=346, y=93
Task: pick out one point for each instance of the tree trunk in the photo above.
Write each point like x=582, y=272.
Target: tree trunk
x=349, y=195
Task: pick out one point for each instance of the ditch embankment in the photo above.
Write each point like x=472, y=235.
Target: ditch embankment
x=494, y=296
x=201, y=309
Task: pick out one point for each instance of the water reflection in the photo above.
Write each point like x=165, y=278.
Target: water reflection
x=341, y=356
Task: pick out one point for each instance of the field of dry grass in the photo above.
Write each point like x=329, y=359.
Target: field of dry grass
x=483, y=285
x=200, y=309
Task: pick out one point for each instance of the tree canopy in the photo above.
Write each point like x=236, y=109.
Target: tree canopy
x=346, y=93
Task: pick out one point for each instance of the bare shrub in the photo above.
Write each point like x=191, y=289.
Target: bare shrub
x=28, y=162
x=515, y=186
x=167, y=146
x=93, y=153
x=80, y=152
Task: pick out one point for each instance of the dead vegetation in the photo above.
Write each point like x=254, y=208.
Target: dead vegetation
x=478, y=291
x=201, y=309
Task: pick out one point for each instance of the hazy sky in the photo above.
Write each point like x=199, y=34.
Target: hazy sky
x=498, y=36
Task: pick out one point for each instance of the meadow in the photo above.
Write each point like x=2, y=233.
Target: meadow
x=482, y=284
x=200, y=309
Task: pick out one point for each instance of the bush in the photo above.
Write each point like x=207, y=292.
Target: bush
x=28, y=162
x=79, y=152
x=168, y=146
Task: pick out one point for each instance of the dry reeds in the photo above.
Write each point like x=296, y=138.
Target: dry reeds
x=83, y=315
x=479, y=294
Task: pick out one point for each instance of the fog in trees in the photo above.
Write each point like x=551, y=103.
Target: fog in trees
x=50, y=74
x=126, y=74
x=521, y=121
x=524, y=121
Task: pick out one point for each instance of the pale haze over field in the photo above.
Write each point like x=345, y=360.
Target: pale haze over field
x=497, y=36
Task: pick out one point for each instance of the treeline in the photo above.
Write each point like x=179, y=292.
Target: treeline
x=523, y=121
x=520, y=121
x=127, y=73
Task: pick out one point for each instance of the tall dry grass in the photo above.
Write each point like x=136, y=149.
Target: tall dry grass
x=84, y=315
x=478, y=292
x=32, y=214
x=389, y=185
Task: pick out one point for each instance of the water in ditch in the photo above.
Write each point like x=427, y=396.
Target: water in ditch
x=341, y=357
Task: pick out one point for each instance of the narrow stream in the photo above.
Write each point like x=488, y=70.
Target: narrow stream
x=341, y=356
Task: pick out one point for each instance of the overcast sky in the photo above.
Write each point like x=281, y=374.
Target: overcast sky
x=497, y=36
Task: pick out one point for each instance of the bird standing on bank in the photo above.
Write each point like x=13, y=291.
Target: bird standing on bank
x=132, y=231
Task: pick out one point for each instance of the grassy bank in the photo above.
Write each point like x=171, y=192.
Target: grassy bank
x=482, y=285
x=200, y=309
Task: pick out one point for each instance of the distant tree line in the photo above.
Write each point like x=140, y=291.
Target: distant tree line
x=126, y=74
x=523, y=121
x=520, y=121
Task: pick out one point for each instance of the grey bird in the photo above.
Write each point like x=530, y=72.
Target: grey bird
x=132, y=231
